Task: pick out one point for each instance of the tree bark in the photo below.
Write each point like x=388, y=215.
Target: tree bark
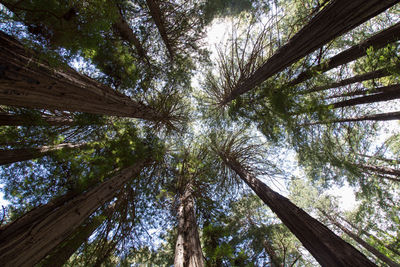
x=60, y=254
x=393, y=93
x=377, y=41
x=16, y=155
x=339, y=16
x=374, y=117
x=364, y=244
x=25, y=81
x=7, y=119
x=364, y=91
x=380, y=169
x=157, y=16
x=327, y=248
x=358, y=78
x=27, y=240
x=188, y=251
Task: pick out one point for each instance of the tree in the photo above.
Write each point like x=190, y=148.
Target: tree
x=361, y=242
x=52, y=222
x=15, y=155
x=323, y=244
x=73, y=89
x=300, y=45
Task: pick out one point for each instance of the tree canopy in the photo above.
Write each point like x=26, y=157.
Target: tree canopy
x=129, y=136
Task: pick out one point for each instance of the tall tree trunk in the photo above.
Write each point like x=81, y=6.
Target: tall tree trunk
x=364, y=232
x=327, y=248
x=358, y=78
x=375, y=117
x=15, y=155
x=157, y=16
x=377, y=41
x=127, y=34
x=25, y=81
x=7, y=119
x=188, y=251
x=339, y=16
x=392, y=94
x=27, y=240
x=380, y=169
x=60, y=254
x=364, y=91
x=364, y=244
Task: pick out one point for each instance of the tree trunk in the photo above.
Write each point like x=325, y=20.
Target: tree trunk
x=375, y=117
x=364, y=244
x=380, y=170
x=339, y=16
x=27, y=240
x=393, y=93
x=15, y=155
x=377, y=41
x=127, y=34
x=25, y=81
x=60, y=254
x=7, y=119
x=364, y=91
x=358, y=78
x=364, y=232
x=188, y=251
x=157, y=16
x=327, y=248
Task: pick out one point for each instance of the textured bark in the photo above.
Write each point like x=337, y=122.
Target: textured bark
x=16, y=155
x=157, y=16
x=364, y=244
x=358, y=78
x=374, y=117
x=336, y=18
x=188, y=251
x=25, y=81
x=377, y=41
x=326, y=247
x=7, y=119
x=60, y=255
x=27, y=240
x=127, y=34
x=389, y=94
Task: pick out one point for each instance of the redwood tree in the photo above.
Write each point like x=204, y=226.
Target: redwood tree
x=27, y=240
x=331, y=17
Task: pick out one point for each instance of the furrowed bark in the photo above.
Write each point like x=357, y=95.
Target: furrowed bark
x=339, y=16
x=27, y=240
x=391, y=92
x=188, y=248
x=375, y=117
x=326, y=247
x=377, y=41
x=60, y=255
x=16, y=155
x=25, y=81
x=358, y=78
x=157, y=16
x=364, y=244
